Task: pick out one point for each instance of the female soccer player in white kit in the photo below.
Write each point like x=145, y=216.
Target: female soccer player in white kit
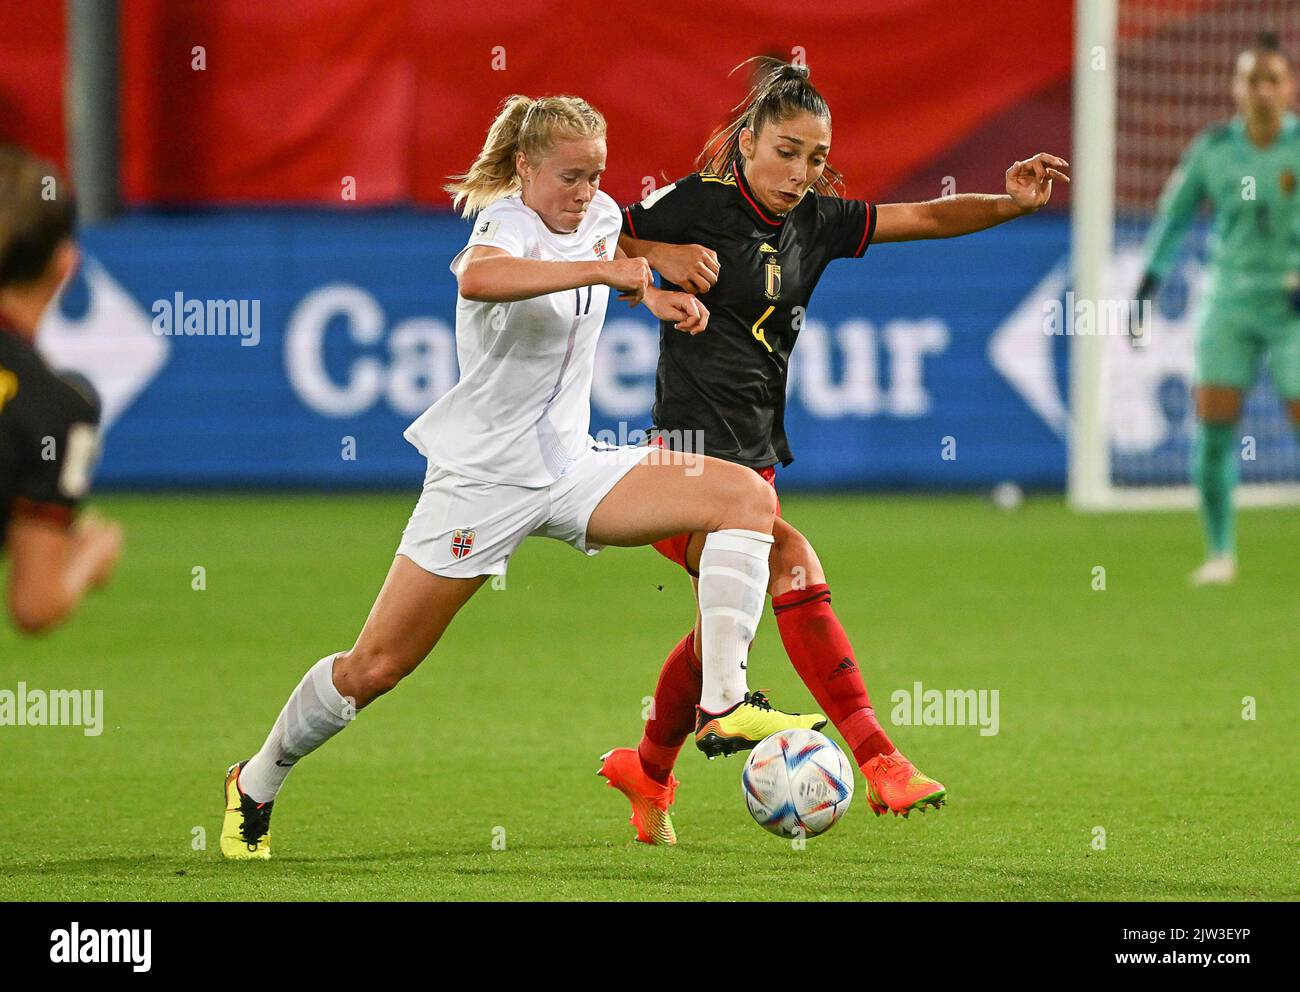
x=509, y=451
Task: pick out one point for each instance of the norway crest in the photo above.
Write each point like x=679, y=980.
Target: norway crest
x=462, y=543
x=599, y=250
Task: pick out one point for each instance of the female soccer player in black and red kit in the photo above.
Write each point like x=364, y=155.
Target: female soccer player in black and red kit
x=751, y=233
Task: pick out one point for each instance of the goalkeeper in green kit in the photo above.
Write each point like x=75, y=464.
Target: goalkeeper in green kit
x=1248, y=169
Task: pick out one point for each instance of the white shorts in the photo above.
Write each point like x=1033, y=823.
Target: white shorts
x=463, y=527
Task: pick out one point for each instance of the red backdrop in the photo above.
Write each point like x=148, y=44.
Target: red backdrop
x=297, y=95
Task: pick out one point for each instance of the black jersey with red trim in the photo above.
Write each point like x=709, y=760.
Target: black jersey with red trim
x=729, y=382
x=48, y=437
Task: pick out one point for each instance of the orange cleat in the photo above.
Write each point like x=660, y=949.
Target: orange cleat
x=649, y=799
x=894, y=784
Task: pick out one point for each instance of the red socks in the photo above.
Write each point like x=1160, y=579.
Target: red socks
x=822, y=655
x=672, y=718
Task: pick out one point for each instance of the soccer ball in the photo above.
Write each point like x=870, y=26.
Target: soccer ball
x=797, y=783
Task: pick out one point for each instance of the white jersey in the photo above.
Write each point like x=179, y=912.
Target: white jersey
x=521, y=412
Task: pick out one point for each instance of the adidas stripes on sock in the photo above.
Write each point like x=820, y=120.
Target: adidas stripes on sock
x=821, y=653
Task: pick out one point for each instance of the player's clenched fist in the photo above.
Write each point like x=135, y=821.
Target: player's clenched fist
x=630, y=276
x=693, y=267
x=684, y=310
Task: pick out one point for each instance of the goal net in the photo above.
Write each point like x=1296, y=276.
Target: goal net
x=1149, y=76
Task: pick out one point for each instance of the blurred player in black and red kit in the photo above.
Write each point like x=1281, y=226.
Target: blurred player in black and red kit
x=752, y=233
x=48, y=424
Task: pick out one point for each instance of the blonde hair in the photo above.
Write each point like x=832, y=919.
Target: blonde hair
x=521, y=125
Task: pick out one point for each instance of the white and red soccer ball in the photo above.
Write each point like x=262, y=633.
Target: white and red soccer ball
x=797, y=783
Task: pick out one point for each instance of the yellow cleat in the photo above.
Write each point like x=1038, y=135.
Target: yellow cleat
x=246, y=830
x=745, y=724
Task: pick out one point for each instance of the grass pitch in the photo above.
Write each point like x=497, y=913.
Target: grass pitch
x=1121, y=710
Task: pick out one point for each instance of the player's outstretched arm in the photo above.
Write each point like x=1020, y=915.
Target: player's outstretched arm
x=693, y=267
x=54, y=567
x=1029, y=186
x=486, y=274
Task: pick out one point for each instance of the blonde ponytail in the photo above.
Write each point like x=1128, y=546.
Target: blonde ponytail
x=522, y=124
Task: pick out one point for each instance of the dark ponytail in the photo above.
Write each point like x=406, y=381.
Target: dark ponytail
x=33, y=223
x=1268, y=41
x=780, y=91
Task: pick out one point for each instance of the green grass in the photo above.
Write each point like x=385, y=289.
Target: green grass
x=1120, y=709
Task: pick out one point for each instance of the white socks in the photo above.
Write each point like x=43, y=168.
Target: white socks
x=314, y=713
x=733, y=586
